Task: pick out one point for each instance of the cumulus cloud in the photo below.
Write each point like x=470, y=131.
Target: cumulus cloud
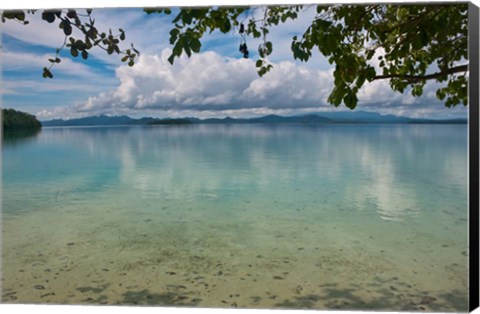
x=211, y=85
x=206, y=85
x=208, y=81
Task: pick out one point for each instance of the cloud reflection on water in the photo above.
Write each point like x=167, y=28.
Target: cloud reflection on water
x=383, y=168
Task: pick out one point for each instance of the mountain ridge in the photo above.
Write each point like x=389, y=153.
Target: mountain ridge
x=314, y=118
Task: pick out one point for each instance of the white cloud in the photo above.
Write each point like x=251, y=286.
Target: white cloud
x=16, y=61
x=55, y=113
x=36, y=32
x=208, y=81
x=208, y=84
x=39, y=32
x=149, y=34
x=204, y=85
x=23, y=76
x=44, y=86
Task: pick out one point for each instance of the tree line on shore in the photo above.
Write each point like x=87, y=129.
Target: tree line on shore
x=17, y=120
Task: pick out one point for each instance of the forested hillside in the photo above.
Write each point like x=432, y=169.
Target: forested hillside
x=17, y=120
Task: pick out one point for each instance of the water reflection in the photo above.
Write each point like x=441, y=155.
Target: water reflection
x=390, y=169
x=14, y=137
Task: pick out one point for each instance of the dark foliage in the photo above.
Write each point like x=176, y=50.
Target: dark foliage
x=171, y=121
x=17, y=120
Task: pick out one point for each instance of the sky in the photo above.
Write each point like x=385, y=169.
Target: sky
x=217, y=82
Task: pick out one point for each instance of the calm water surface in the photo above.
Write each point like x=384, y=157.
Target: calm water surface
x=256, y=216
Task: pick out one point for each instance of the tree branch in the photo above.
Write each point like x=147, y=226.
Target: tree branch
x=416, y=78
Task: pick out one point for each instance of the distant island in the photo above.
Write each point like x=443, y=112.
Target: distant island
x=13, y=120
x=316, y=118
x=171, y=121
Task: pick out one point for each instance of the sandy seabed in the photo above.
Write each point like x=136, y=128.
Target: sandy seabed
x=346, y=217
x=73, y=255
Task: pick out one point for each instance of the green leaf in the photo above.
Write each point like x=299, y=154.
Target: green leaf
x=195, y=45
x=225, y=26
x=188, y=51
x=174, y=32
x=177, y=50
x=125, y=58
x=370, y=54
x=262, y=72
x=187, y=17
x=88, y=44
x=370, y=73
x=84, y=55
x=417, y=91
x=261, y=51
x=79, y=45
x=20, y=16
x=74, y=52
x=269, y=47
x=67, y=29
x=360, y=80
x=173, y=35
x=170, y=59
x=47, y=73
x=350, y=99
x=48, y=16
x=259, y=63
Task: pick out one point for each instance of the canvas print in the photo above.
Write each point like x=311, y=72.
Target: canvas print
x=282, y=157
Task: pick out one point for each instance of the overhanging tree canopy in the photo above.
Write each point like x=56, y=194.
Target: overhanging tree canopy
x=405, y=44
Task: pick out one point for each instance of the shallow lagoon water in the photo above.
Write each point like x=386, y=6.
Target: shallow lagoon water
x=251, y=216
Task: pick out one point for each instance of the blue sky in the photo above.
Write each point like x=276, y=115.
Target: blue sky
x=217, y=82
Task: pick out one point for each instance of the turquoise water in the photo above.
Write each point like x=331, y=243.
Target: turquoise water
x=252, y=216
